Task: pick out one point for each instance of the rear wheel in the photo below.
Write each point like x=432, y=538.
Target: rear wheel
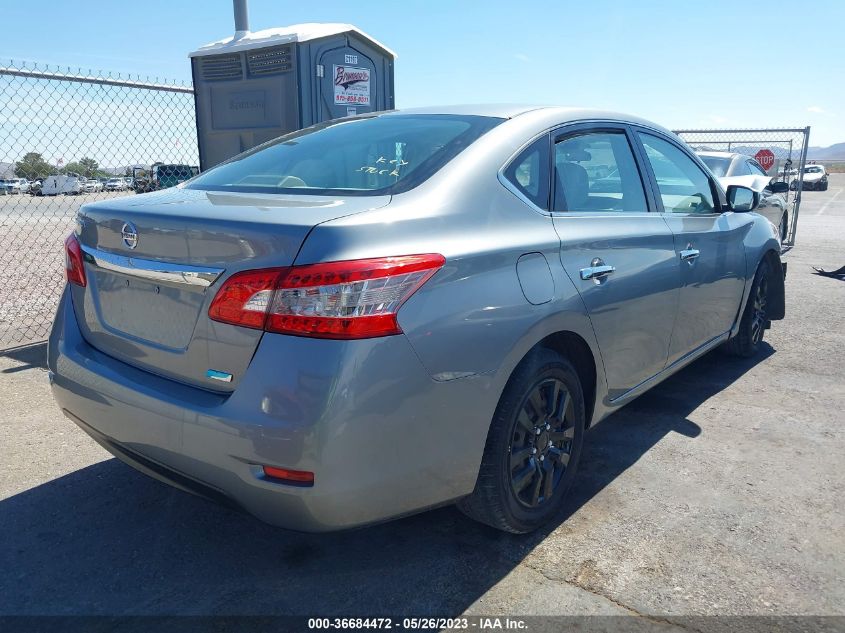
x=755, y=318
x=533, y=446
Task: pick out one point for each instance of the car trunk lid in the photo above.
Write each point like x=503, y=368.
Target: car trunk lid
x=154, y=262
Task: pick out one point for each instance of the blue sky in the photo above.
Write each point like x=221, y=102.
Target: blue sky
x=710, y=63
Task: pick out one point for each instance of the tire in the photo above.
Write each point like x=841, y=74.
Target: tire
x=784, y=227
x=754, y=322
x=541, y=409
x=823, y=187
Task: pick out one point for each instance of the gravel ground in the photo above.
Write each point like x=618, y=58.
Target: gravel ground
x=718, y=492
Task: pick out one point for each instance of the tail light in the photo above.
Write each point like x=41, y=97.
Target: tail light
x=74, y=270
x=340, y=300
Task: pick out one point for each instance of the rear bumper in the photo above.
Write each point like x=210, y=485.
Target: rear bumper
x=382, y=437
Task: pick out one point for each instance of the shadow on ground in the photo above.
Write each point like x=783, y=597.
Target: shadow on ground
x=107, y=540
x=29, y=357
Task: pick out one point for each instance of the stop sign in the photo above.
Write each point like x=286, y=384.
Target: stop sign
x=765, y=158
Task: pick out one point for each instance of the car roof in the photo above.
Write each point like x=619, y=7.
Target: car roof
x=498, y=110
x=719, y=154
x=564, y=114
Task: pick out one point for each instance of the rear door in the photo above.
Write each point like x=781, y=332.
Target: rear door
x=618, y=253
x=708, y=242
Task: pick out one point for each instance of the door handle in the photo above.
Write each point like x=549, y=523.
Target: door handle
x=597, y=270
x=690, y=254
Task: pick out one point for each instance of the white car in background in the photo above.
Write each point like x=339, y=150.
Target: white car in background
x=815, y=177
x=16, y=185
x=116, y=184
x=92, y=185
x=738, y=169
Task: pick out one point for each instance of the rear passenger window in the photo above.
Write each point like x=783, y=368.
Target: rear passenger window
x=529, y=172
x=596, y=171
x=683, y=185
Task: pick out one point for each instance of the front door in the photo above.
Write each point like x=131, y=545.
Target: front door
x=619, y=255
x=708, y=245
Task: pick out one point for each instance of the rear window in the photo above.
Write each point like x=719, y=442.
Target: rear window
x=362, y=156
x=717, y=164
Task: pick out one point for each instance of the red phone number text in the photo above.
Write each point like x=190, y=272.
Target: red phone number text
x=363, y=100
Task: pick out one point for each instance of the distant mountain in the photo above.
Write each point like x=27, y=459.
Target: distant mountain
x=834, y=152
x=7, y=170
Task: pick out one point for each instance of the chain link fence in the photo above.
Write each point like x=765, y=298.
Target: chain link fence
x=782, y=152
x=67, y=138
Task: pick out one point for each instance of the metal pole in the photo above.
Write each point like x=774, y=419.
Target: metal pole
x=122, y=83
x=241, y=18
x=797, y=205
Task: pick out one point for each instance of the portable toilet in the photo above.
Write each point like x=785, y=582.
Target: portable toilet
x=253, y=87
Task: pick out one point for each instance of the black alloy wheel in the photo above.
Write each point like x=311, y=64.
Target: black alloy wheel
x=533, y=446
x=541, y=443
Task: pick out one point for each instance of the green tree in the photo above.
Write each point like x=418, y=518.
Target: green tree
x=74, y=167
x=90, y=167
x=33, y=167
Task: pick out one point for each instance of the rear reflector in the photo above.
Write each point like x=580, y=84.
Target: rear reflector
x=74, y=269
x=300, y=477
x=340, y=300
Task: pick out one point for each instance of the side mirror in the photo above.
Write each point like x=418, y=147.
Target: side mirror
x=742, y=199
x=778, y=187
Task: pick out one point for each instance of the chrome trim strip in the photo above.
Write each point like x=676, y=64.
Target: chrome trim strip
x=152, y=270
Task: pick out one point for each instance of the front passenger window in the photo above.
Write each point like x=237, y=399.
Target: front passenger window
x=683, y=185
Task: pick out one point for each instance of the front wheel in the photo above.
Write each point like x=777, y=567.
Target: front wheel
x=533, y=446
x=784, y=227
x=755, y=318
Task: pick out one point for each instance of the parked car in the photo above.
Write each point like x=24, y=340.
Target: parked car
x=91, y=185
x=16, y=185
x=375, y=316
x=61, y=184
x=739, y=169
x=815, y=177
x=35, y=187
x=161, y=176
x=115, y=184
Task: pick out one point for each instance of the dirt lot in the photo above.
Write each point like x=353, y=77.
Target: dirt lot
x=719, y=492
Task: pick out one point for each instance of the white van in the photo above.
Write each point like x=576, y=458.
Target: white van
x=55, y=185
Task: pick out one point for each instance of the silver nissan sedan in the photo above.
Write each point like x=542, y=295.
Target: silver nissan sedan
x=386, y=313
